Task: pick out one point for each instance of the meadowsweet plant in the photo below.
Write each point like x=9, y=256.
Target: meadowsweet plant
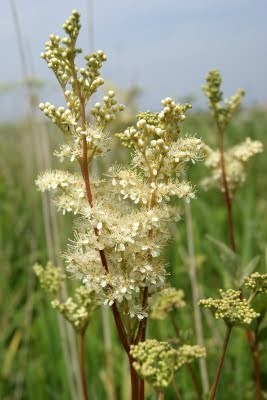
x=228, y=172
x=256, y=283
x=157, y=362
x=234, y=310
x=77, y=310
x=236, y=159
x=228, y=167
x=166, y=304
x=124, y=217
x=231, y=308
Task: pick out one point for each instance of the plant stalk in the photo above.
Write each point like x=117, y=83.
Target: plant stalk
x=220, y=363
x=227, y=198
x=254, y=347
x=82, y=364
x=134, y=380
x=228, y=203
x=195, y=381
x=85, y=173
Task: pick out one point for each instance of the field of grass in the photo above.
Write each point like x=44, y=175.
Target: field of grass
x=31, y=357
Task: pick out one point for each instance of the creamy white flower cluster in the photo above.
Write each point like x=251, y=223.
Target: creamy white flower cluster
x=231, y=307
x=132, y=244
x=128, y=219
x=235, y=159
x=159, y=151
x=131, y=232
x=127, y=184
x=166, y=301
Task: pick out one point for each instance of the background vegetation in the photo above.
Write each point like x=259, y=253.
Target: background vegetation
x=31, y=357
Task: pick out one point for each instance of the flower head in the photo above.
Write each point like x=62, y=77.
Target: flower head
x=50, y=277
x=257, y=282
x=155, y=362
x=165, y=302
x=231, y=307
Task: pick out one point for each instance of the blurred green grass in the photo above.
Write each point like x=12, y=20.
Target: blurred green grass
x=31, y=359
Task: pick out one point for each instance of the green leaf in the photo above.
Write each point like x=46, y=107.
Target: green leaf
x=226, y=253
x=230, y=259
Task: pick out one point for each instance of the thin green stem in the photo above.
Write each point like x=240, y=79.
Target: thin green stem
x=220, y=363
x=177, y=391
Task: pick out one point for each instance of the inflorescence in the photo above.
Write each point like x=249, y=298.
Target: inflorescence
x=230, y=307
x=168, y=300
x=157, y=362
x=77, y=309
x=132, y=210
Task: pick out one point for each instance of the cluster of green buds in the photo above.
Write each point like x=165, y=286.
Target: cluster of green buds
x=188, y=354
x=256, y=282
x=172, y=115
x=75, y=82
x=50, y=277
x=168, y=300
x=155, y=362
x=223, y=110
x=231, y=307
x=78, y=309
x=108, y=111
x=60, y=116
x=78, y=85
x=154, y=129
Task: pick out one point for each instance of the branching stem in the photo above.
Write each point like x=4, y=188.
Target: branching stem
x=85, y=173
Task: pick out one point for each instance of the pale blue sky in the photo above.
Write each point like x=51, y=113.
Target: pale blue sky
x=166, y=47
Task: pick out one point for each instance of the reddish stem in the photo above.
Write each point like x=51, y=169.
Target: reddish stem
x=256, y=362
x=227, y=198
x=220, y=364
x=195, y=381
x=134, y=379
x=141, y=381
x=228, y=202
x=82, y=364
x=89, y=196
